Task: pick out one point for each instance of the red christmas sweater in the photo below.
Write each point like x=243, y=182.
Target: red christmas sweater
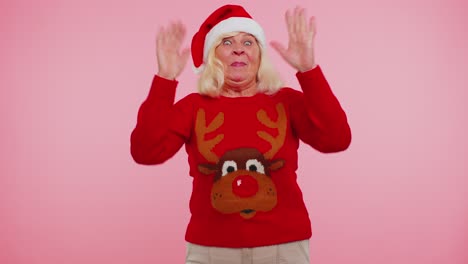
x=242, y=154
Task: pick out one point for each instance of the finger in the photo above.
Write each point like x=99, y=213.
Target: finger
x=289, y=23
x=297, y=12
x=177, y=35
x=178, y=28
x=160, y=37
x=302, y=24
x=313, y=26
x=181, y=31
x=172, y=31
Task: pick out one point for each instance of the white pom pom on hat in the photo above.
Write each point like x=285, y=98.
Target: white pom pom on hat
x=226, y=19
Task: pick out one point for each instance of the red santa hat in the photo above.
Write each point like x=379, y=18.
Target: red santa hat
x=226, y=19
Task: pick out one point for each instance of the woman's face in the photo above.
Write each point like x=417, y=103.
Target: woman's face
x=240, y=56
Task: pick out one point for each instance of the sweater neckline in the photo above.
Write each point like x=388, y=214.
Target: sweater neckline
x=242, y=98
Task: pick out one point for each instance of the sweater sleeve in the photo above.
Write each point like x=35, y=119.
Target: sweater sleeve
x=317, y=116
x=156, y=136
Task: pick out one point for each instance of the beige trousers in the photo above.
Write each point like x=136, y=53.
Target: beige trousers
x=288, y=253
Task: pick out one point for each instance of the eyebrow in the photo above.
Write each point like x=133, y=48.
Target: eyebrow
x=246, y=35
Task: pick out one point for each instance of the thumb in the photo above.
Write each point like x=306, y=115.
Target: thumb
x=182, y=61
x=185, y=55
x=279, y=48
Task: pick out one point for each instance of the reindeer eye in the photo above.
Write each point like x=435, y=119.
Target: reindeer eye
x=255, y=165
x=228, y=167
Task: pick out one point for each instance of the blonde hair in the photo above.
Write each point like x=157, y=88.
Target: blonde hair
x=212, y=76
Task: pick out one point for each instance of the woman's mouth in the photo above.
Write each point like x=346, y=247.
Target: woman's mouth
x=238, y=64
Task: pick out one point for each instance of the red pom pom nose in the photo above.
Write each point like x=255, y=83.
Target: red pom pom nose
x=244, y=186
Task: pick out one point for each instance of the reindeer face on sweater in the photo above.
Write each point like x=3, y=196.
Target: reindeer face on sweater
x=242, y=181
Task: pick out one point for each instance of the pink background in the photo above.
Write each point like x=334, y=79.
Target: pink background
x=73, y=74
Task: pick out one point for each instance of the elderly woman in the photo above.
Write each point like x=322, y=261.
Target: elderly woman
x=241, y=132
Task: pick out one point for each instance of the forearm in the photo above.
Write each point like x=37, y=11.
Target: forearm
x=150, y=140
x=324, y=111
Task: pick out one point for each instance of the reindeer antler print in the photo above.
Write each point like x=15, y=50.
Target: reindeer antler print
x=280, y=124
x=201, y=129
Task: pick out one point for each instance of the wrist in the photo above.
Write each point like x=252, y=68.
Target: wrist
x=306, y=69
x=166, y=75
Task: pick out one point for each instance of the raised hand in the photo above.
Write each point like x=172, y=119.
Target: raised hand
x=300, y=51
x=171, y=60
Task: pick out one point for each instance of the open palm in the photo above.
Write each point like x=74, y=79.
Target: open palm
x=300, y=51
x=171, y=60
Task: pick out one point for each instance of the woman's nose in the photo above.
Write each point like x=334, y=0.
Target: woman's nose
x=238, y=51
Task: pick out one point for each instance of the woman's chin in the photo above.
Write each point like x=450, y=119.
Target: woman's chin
x=236, y=79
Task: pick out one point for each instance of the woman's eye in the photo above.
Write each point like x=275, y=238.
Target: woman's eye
x=227, y=42
x=248, y=43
